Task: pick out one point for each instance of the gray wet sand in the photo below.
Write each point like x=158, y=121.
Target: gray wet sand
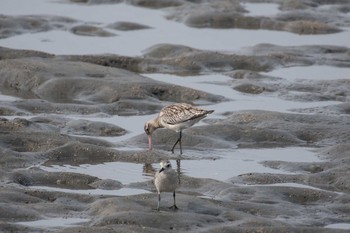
x=40, y=126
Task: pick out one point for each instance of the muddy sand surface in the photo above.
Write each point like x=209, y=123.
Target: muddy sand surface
x=274, y=157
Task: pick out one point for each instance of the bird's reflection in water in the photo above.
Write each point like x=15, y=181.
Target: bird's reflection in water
x=148, y=169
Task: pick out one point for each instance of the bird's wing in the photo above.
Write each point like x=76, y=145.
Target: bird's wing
x=178, y=113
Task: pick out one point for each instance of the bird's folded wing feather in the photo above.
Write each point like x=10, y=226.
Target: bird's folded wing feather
x=178, y=113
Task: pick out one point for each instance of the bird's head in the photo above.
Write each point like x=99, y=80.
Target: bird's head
x=165, y=165
x=149, y=127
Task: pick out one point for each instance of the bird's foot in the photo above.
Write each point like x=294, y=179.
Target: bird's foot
x=174, y=207
x=172, y=151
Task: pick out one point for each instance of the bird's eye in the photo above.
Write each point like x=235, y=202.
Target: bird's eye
x=146, y=129
x=168, y=165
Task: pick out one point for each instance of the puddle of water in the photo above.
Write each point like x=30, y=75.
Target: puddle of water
x=296, y=185
x=95, y=192
x=123, y=172
x=129, y=42
x=261, y=9
x=311, y=73
x=98, y=13
x=345, y=226
x=242, y=161
x=54, y=222
x=229, y=164
x=8, y=98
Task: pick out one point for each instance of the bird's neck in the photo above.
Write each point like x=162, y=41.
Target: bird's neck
x=156, y=123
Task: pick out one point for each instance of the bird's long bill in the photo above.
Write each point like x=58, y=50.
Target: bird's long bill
x=150, y=142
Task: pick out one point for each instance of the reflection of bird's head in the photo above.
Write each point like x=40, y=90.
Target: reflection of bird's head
x=165, y=166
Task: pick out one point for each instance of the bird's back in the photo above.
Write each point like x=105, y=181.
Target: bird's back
x=181, y=113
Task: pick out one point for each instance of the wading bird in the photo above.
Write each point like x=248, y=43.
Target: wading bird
x=175, y=117
x=166, y=180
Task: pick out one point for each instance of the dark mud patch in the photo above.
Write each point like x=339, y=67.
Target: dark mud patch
x=80, y=127
x=97, y=1
x=16, y=25
x=215, y=20
x=55, y=85
x=309, y=129
x=298, y=90
x=343, y=108
x=308, y=19
x=89, y=30
x=155, y=4
x=66, y=180
x=6, y=53
x=183, y=60
x=127, y=26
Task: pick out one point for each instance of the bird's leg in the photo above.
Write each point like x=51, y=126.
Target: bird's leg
x=158, y=201
x=178, y=140
x=178, y=170
x=174, y=207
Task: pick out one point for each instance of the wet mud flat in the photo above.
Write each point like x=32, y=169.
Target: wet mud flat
x=62, y=115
